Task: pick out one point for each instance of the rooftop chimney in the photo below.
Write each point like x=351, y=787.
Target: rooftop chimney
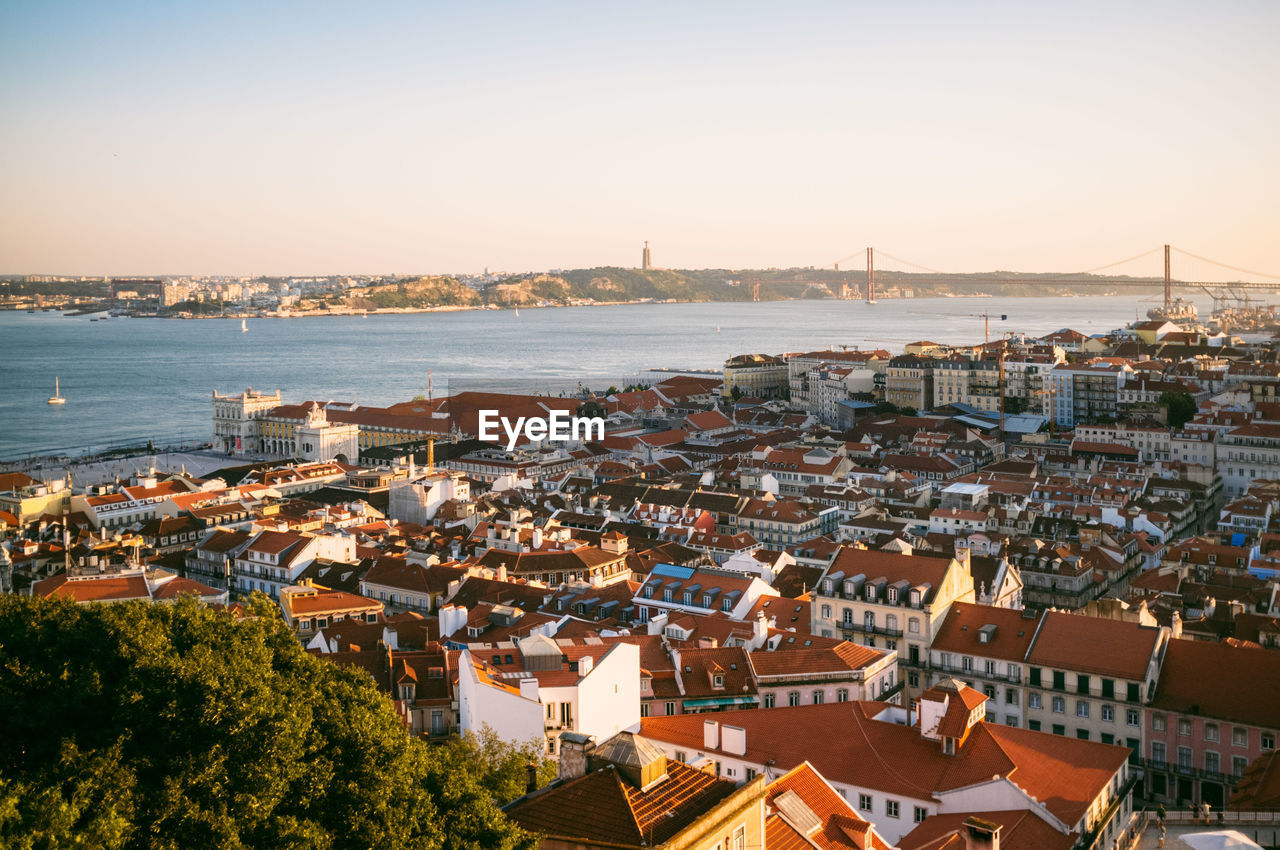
x=574, y=749
x=531, y=778
x=981, y=834
x=710, y=734
x=584, y=665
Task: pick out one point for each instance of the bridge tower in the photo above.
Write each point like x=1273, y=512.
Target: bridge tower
x=1168, y=280
x=871, y=277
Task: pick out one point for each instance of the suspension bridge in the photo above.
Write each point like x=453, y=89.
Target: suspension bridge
x=1087, y=278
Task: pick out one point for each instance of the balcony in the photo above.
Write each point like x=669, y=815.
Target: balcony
x=1189, y=771
x=865, y=629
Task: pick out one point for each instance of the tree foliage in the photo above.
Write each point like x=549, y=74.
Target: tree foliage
x=174, y=726
x=501, y=767
x=1180, y=408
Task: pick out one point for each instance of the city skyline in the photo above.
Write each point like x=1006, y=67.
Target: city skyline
x=414, y=139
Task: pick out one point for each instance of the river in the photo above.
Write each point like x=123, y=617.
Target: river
x=127, y=381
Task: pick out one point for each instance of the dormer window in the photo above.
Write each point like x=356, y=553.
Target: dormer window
x=893, y=594
x=648, y=593
x=687, y=598
x=717, y=681
x=666, y=595
x=871, y=593
x=726, y=604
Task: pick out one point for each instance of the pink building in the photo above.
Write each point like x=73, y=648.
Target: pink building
x=1216, y=709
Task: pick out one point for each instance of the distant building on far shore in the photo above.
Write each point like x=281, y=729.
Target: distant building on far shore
x=645, y=261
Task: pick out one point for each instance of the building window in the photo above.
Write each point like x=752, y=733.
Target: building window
x=1082, y=684
x=920, y=814
x=1157, y=721
x=1212, y=762
x=1268, y=740
x=717, y=681
x=793, y=698
x=818, y=697
x=891, y=808
x=1184, y=727
x=1239, y=737
x=1082, y=734
x=670, y=708
x=1184, y=757
x=1158, y=752
x=1033, y=700
x=1210, y=733
x=1238, y=764
x=1109, y=713
x=842, y=695
x=913, y=625
x=1059, y=705
x=864, y=802
x=1033, y=725
x=1082, y=708
x=1059, y=729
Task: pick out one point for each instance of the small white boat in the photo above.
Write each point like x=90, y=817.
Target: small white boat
x=56, y=398
x=244, y=328
x=517, y=312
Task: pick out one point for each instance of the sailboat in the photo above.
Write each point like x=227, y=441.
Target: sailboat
x=244, y=328
x=517, y=312
x=56, y=398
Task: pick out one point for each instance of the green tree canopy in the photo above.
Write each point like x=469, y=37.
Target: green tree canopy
x=1180, y=408
x=175, y=726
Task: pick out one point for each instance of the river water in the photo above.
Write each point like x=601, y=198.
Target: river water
x=128, y=381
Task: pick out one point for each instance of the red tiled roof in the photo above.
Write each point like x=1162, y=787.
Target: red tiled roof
x=839, y=825
x=95, y=589
x=1066, y=773
x=959, y=631
x=1094, y=645
x=602, y=807
x=1021, y=829
x=1216, y=680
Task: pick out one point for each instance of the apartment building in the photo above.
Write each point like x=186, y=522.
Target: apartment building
x=1214, y=712
x=902, y=768
x=890, y=601
x=909, y=382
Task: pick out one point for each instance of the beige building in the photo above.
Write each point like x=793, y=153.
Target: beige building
x=755, y=376
x=909, y=382
x=891, y=601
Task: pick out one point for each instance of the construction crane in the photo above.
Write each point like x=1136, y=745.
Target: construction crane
x=986, y=317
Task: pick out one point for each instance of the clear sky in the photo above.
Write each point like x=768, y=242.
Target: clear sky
x=312, y=137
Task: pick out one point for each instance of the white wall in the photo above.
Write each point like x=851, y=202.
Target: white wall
x=513, y=717
x=609, y=696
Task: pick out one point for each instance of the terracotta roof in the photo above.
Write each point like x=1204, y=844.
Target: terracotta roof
x=603, y=807
x=1216, y=680
x=330, y=601
x=1094, y=645
x=846, y=745
x=1020, y=829
x=836, y=825
x=844, y=657
x=963, y=626
x=176, y=587
x=111, y=589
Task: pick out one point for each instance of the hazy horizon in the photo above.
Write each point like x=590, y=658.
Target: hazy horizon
x=314, y=139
